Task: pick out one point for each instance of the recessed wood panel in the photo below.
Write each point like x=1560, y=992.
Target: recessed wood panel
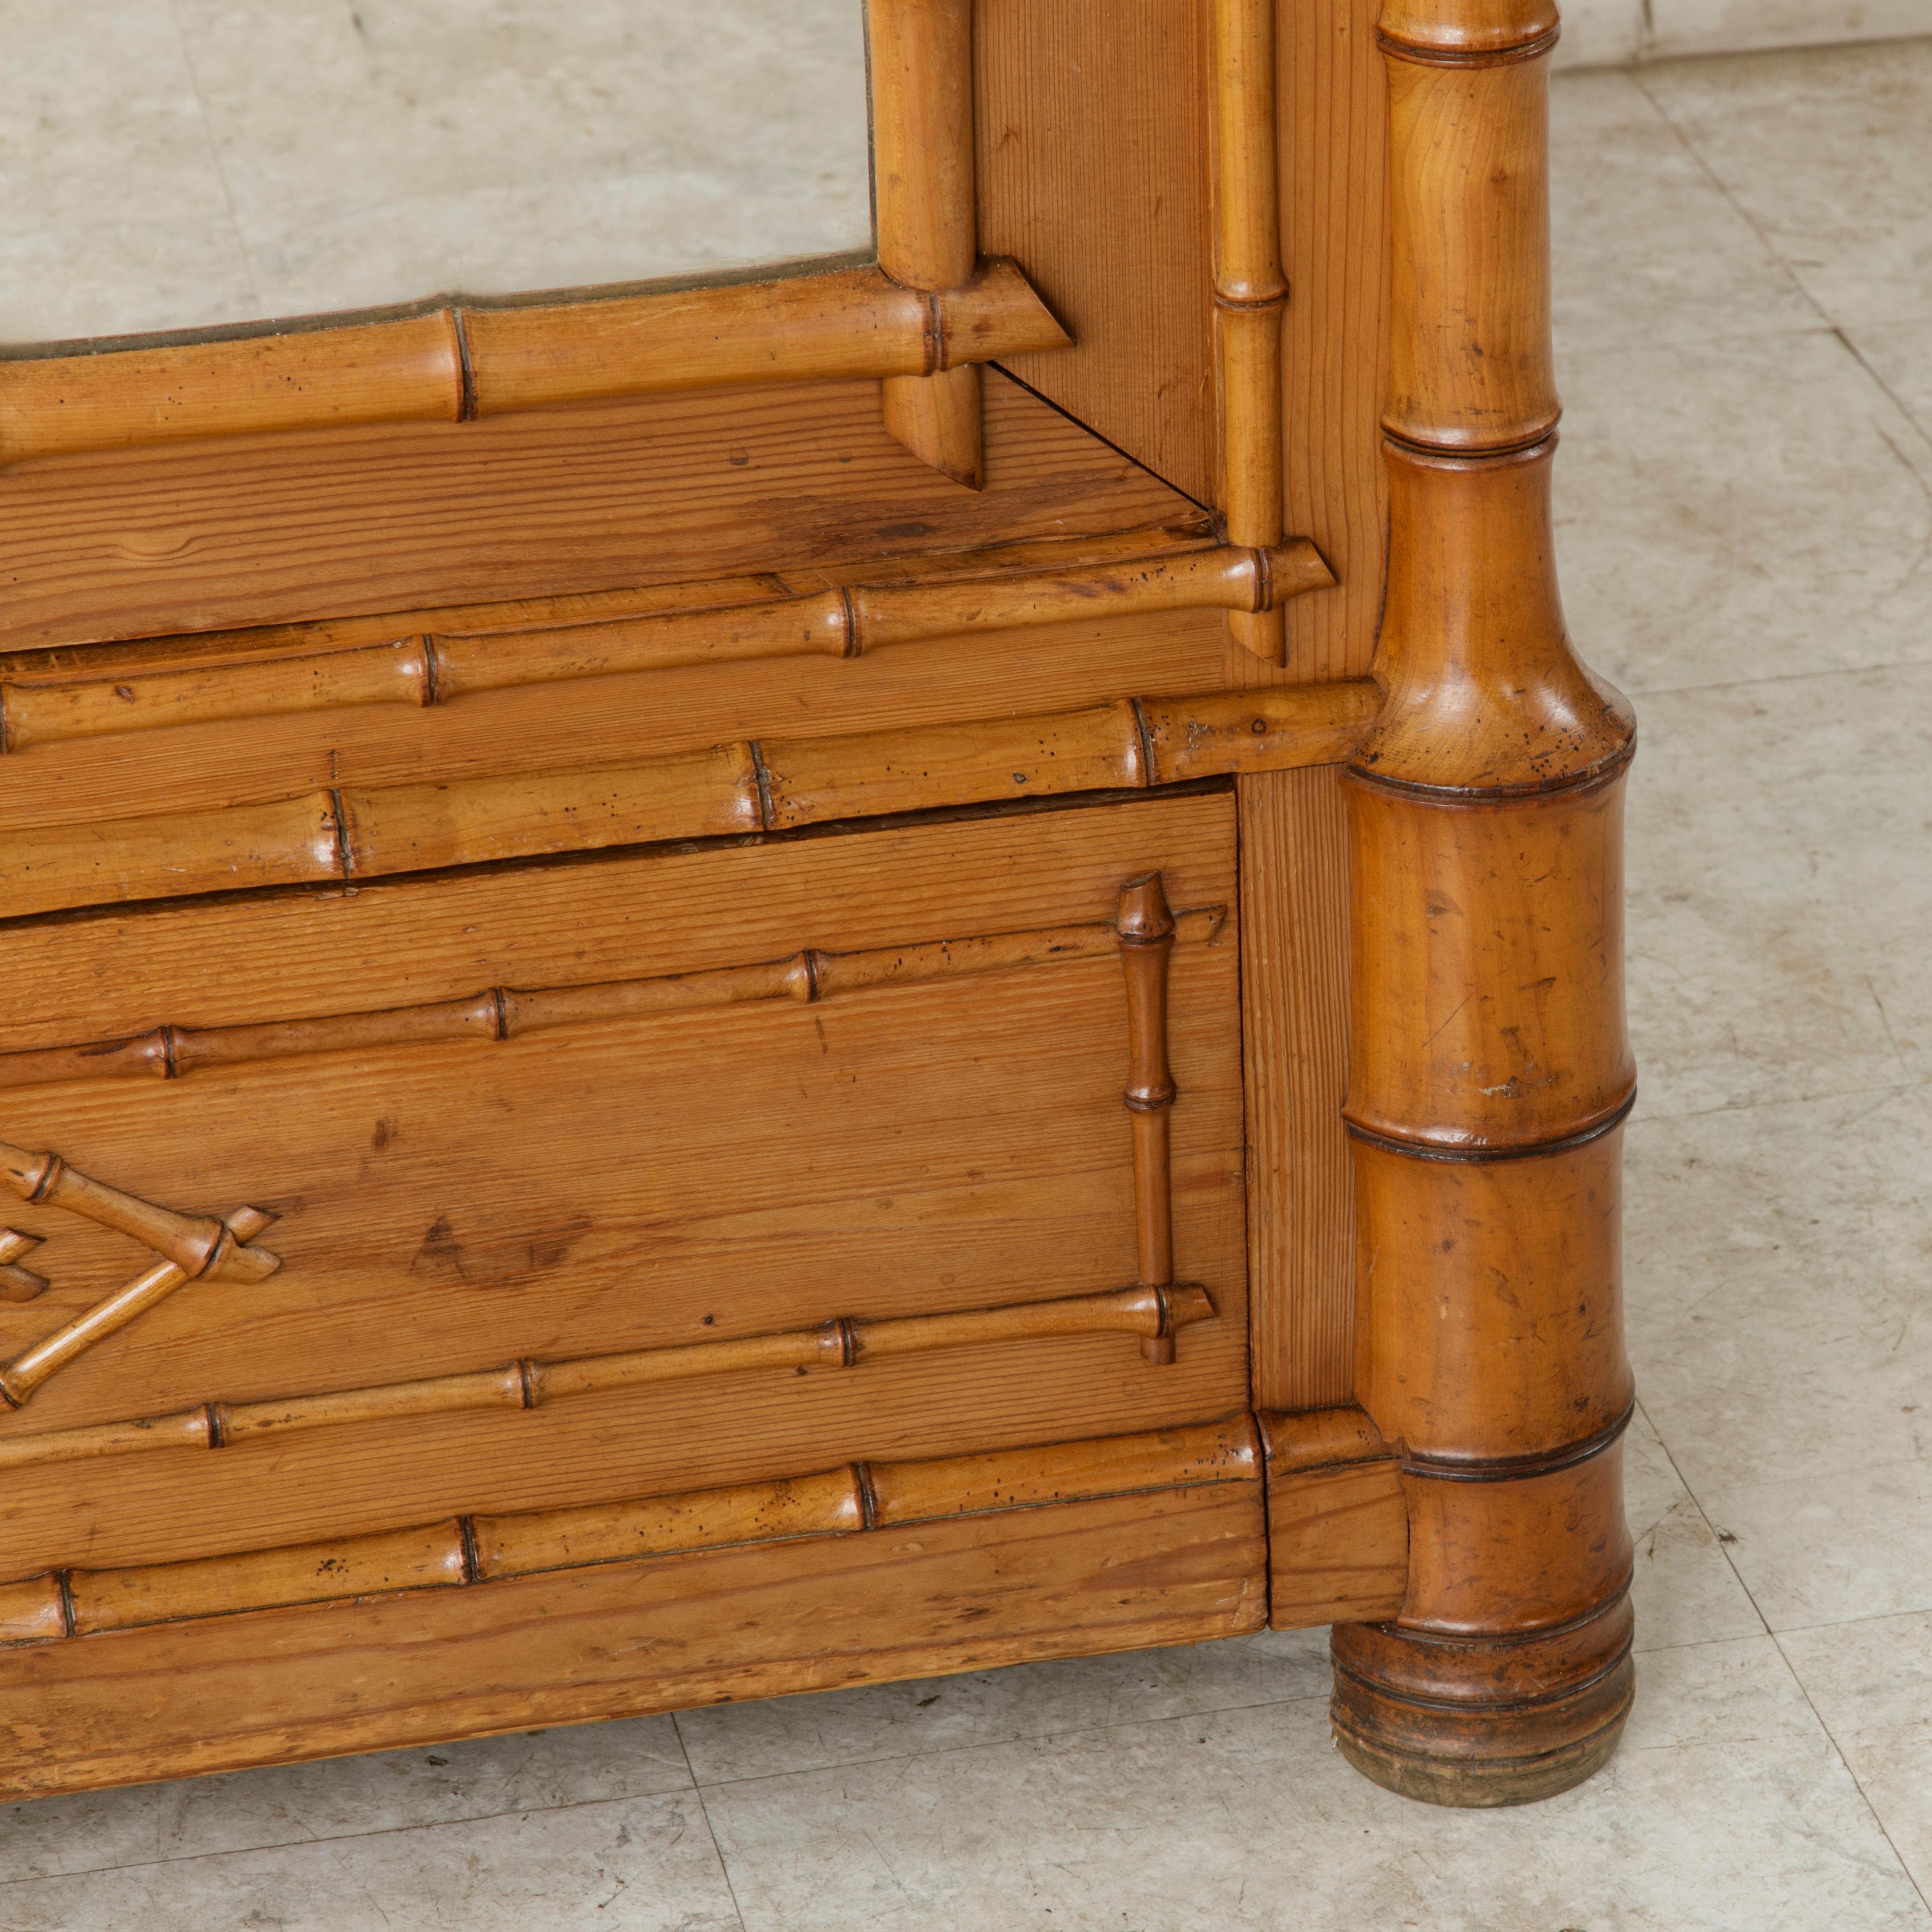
x=919, y=1148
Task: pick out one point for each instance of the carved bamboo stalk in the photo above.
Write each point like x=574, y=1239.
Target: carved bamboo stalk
x=472, y=1550
x=845, y=324
x=842, y=1343
x=842, y=623
x=1147, y=933
x=1489, y=1074
x=920, y=58
x=751, y=786
x=16, y=1283
x=27, y=1371
x=1250, y=294
x=506, y=1013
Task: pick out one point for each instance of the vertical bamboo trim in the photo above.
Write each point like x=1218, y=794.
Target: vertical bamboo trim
x=1146, y=929
x=1250, y=294
x=921, y=61
x=1489, y=1070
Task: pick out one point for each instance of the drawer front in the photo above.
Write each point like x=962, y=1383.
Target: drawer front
x=884, y=1097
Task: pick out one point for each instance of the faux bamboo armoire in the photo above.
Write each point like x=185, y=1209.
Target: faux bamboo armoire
x=721, y=989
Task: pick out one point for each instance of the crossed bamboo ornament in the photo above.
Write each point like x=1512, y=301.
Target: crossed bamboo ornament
x=193, y=1247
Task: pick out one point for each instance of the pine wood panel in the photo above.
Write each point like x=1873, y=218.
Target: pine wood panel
x=701, y=1176
x=1294, y=986
x=1093, y=136
x=1335, y=344
x=1176, y=1566
x=660, y=489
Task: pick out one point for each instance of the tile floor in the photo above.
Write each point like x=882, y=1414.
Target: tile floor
x=1745, y=270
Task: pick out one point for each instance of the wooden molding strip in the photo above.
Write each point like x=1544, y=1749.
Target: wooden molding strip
x=750, y=786
x=1250, y=296
x=471, y=1550
x=841, y=622
x=169, y=1052
x=1338, y=1520
x=528, y=1384
x=456, y=364
x=1147, y=930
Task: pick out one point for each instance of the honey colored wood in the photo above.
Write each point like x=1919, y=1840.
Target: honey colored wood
x=920, y=61
x=1094, y=153
x=1489, y=1067
x=434, y=667
x=28, y=1370
x=484, y=1548
x=1338, y=1523
x=1146, y=930
x=1177, y=1566
x=1333, y=144
x=1250, y=292
x=1294, y=1044
x=445, y=1207
x=1469, y=187
x=506, y=1013
x=354, y=833
x=458, y=365
x=407, y=370
x=651, y=490
x=525, y=1383
x=17, y=1283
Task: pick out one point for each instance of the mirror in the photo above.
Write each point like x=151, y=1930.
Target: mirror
x=182, y=164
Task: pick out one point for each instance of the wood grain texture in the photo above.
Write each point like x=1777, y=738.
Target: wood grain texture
x=920, y=60
x=446, y=1209
x=1333, y=140
x=1338, y=1522
x=1177, y=1566
x=402, y=371
x=1093, y=130
x=658, y=489
x=1294, y=995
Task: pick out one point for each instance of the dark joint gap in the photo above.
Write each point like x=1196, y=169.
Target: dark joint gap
x=1263, y=581
x=935, y=334
x=1149, y=1099
x=763, y=777
x=1275, y=298
x=63, y=1583
x=1146, y=739
x=466, y=408
x=1428, y=56
x=1477, y=1156
x=432, y=691
x=500, y=1005
x=170, y=1053
x=1486, y=1705
x=1518, y=1640
x=526, y=1381
x=217, y=1436
x=854, y=644
x=345, y=855
x=50, y=1174
x=1516, y=1468
x=473, y=1568
x=1463, y=798
x=814, y=992
x=6, y=723
x=848, y=1346
x=868, y=1497
x=1511, y=452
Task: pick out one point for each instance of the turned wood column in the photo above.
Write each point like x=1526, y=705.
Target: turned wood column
x=1490, y=1073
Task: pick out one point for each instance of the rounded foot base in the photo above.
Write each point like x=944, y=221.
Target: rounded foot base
x=1477, y=1782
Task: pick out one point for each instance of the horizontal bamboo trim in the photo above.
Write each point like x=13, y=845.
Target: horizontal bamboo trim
x=748, y=786
x=457, y=364
x=843, y=1342
x=471, y=1550
x=507, y=1012
x=843, y=622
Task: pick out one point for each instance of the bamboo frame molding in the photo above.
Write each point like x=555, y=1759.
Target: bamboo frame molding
x=1250, y=296
x=169, y=1052
x=843, y=1342
x=16, y=1283
x=435, y=667
x=747, y=787
x=472, y=1550
x=459, y=364
x=921, y=321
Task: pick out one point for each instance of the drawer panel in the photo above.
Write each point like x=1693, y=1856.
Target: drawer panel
x=944, y=1141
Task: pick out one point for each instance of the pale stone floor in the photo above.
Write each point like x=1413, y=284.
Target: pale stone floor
x=1745, y=305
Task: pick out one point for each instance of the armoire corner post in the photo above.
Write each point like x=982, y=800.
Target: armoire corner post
x=1489, y=1074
